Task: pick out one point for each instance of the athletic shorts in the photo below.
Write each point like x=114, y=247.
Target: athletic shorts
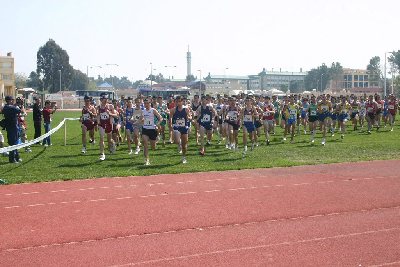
x=353, y=115
x=276, y=115
x=207, y=126
x=342, y=117
x=334, y=116
x=151, y=133
x=234, y=125
x=106, y=128
x=182, y=130
x=89, y=125
x=371, y=116
x=291, y=121
x=323, y=116
x=257, y=124
x=250, y=127
x=270, y=123
x=313, y=118
x=304, y=114
x=283, y=117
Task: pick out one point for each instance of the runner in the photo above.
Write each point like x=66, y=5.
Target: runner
x=105, y=114
x=22, y=127
x=291, y=111
x=343, y=109
x=170, y=105
x=149, y=131
x=304, y=114
x=248, y=115
x=277, y=107
x=379, y=105
x=205, y=114
x=87, y=122
x=324, y=110
x=179, y=117
x=194, y=106
x=354, y=111
x=219, y=121
x=372, y=108
x=164, y=112
x=313, y=117
x=116, y=133
x=232, y=112
x=392, y=108
x=133, y=124
x=362, y=111
x=268, y=115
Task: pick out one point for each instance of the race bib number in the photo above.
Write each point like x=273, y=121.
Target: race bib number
x=232, y=116
x=206, y=118
x=180, y=123
x=293, y=112
x=148, y=122
x=86, y=116
x=104, y=116
x=344, y=110
x=370, y=109
x=391, y=107
x=324, y=108
x=313, y=113
x=248, y=118
x=266, y=114
x=379, y=105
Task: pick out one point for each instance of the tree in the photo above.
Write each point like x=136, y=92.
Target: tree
x=79, y=81
x=34, y=81
x=319, y=78
x=51, y=58
x=20, y=80
x=374, y=71
x=336, y=74
x=395, y=59
x=190, y=78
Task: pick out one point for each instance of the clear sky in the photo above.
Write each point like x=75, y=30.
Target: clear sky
x=243, y=36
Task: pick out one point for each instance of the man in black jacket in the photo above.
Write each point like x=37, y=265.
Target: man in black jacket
x=37, y=118
x=10, y=112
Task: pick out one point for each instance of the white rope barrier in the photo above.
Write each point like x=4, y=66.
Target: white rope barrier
x=39, y=139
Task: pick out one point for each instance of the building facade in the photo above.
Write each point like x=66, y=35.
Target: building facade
x=356, y=81
x=229, y=84
x=281, y=80
x=7, y=77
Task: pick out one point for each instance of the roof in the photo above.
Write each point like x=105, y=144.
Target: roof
x=105, y=85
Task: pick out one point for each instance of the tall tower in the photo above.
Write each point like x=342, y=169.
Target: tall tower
x=189, y=63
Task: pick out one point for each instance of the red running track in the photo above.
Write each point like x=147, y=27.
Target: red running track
x=339, y=214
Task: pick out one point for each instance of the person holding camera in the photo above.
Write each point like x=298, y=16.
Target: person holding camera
x=48, y=110
x=11, y=113
x=37, y=117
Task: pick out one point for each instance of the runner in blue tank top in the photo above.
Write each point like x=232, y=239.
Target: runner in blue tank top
x=179, y=117
x=205, y=114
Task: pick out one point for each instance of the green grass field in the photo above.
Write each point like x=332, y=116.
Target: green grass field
x=59, y=162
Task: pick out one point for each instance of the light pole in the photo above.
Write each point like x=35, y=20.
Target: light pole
x=199, y=82
x=169, y=74
x=62, y=97
x=223, y=91
x=322, y=74
x=151, y=76
x=112, y=77
x=87, y=72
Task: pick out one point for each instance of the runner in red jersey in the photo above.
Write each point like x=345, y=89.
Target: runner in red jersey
x=371, y=108
x=392, y=108
x=379, y=105
x=268, y=115
x=87, y=119
x=105, y=114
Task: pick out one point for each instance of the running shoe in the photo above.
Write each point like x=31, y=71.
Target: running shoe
x=147, y=162
x=83, y=150
x=184, y=161
x=130, y=152
x=137, y=150
x=102, y=157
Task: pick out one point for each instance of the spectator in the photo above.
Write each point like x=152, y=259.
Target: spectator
x=37, y=117
x=48, y=110
x=11, y=113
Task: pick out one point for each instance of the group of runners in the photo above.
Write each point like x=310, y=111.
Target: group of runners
x=145, y=121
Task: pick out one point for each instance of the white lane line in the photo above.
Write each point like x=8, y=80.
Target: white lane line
x=30, y=193
x=36, y=205
x=386, y=264
x=58, y=191
x=212, y=191
x=263, y=246
x=96, y=200
x=12, y=207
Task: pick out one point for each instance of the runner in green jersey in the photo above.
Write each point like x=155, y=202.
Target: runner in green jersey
x=313, y=117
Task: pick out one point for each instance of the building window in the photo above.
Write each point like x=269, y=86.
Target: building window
x=361, y=78
x=365, y=84
x=356, y=77
x=6, y=65
x=365, y=77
